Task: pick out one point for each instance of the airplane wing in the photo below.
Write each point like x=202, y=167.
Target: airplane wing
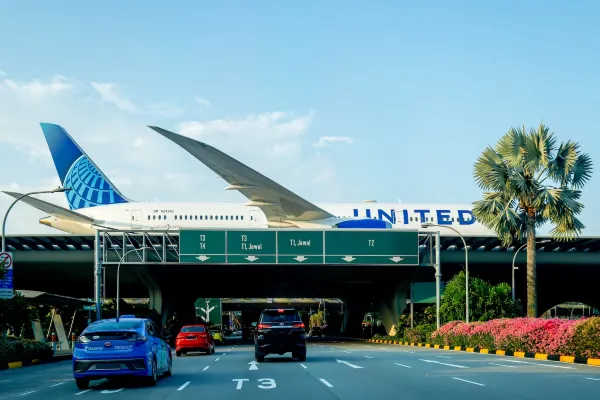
x=52, y=209
x=278, y=203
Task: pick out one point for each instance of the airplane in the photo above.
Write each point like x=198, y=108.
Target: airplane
x=95, y=203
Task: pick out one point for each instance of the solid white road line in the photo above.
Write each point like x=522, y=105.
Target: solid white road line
x=540, y=364
x=591, y=379
x=464, y=380
x=402, y=365
x=85, y=391
x=303, y=366
x=26, y=393
x=450, y=365
x=502, y=365
x=368, y=357
x=183, y=386
x=443, y=357
x=326, y=383
x=111, y=391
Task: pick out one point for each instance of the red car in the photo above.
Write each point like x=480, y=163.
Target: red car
x=194, y=338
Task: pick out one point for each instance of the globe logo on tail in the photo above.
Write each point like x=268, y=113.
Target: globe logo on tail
x=89, y=188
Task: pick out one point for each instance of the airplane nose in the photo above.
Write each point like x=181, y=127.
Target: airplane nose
x=46, y=221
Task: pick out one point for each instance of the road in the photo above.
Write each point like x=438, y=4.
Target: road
x=333, y=370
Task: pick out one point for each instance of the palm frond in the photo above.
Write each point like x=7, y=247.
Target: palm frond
x=564, y=215
x=564, y=162
x=582, y=171
x=539, y=145
x=489, y=171
x=511, y=146
x=497, y=212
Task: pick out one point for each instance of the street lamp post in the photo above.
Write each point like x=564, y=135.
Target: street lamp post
x=513, y=265
x=57, y=190
x=429, y=225
x=119, y=269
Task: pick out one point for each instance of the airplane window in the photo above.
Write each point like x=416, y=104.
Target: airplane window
x=176, y=217
x=231, y=217
x=417, y=219
x=226, y=217
x=242, y=217
x=180, y=217
x=201, y=217
x=236, y=217
x=186, y=217
x=196, y=218
x=164, y=217
x=154, y=217
x=411, y=218
x=160, y=217
x=148, y=218
x=211, y=217
x=221, y=217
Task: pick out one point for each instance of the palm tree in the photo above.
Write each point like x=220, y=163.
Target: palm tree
x=528, y=181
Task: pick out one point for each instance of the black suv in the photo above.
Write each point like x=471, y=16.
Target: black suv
x=279, y=331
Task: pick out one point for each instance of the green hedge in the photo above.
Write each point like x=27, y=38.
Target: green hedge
x=14, y=349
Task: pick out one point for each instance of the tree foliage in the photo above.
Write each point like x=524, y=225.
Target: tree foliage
x=2, y=269
x=16, y=314
x=528, y=176
x=486, y=301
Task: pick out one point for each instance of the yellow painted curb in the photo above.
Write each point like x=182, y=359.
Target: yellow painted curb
x=519, y=354
x=16, y=364
x=437, y=346
x=470, y=349
x=446, y=347
x=541, y=356
x=593, y=361
x=484, y=351
x=568, y=359
x=500, y=352
x=457, y=348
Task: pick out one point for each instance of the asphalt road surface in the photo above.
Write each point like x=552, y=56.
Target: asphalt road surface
x=333, y=370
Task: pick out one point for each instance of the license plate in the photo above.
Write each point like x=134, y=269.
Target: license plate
x=108, y=366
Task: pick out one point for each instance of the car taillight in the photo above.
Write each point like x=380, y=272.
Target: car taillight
x=263, y=326
x=137, y=338
x=300, y=325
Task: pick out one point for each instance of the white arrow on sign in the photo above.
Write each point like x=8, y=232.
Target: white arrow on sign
x=300, y=258
x=253, y=365
x=202, y=258
x=251, y=258
x=347, y=363
x=348, y=258
x=209, y=310
x=203, y=318
x=396, y=259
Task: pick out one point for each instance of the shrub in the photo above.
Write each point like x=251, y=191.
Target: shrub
x=533, y=335
x=15, y=349
x=586, y=340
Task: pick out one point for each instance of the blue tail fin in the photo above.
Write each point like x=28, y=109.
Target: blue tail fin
x=89, y=186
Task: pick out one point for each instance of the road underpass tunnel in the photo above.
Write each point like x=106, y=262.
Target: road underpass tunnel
x=571, y=310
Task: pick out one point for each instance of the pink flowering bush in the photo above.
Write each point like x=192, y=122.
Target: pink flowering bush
x=533, y=335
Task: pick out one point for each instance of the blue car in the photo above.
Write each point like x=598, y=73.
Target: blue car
x=125, y=346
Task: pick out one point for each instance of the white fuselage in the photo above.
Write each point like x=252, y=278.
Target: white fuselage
x=174, y=216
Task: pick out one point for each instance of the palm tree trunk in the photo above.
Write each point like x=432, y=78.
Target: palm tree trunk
x=531, y=268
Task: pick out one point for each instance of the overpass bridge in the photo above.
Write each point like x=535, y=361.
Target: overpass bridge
x=64, y=264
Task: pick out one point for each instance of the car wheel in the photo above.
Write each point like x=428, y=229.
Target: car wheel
x=301, y=357
x=170, y=370
x=178, y=353
x=259, y=357
x=153, y=378
x=82, y=383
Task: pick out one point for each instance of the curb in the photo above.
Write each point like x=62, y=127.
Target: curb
x=28, y=363
x=509, y=353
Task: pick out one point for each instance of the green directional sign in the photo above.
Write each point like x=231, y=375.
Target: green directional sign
x=209, y=310
x=202, y=246
x=251, y=246
x=371, y=247
x=300, y=247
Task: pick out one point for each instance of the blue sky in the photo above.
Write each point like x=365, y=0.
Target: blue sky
x=413, y=92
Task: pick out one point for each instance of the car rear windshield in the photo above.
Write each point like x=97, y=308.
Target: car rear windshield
x=276, y=316
x=193, y=329
x=114, y=326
